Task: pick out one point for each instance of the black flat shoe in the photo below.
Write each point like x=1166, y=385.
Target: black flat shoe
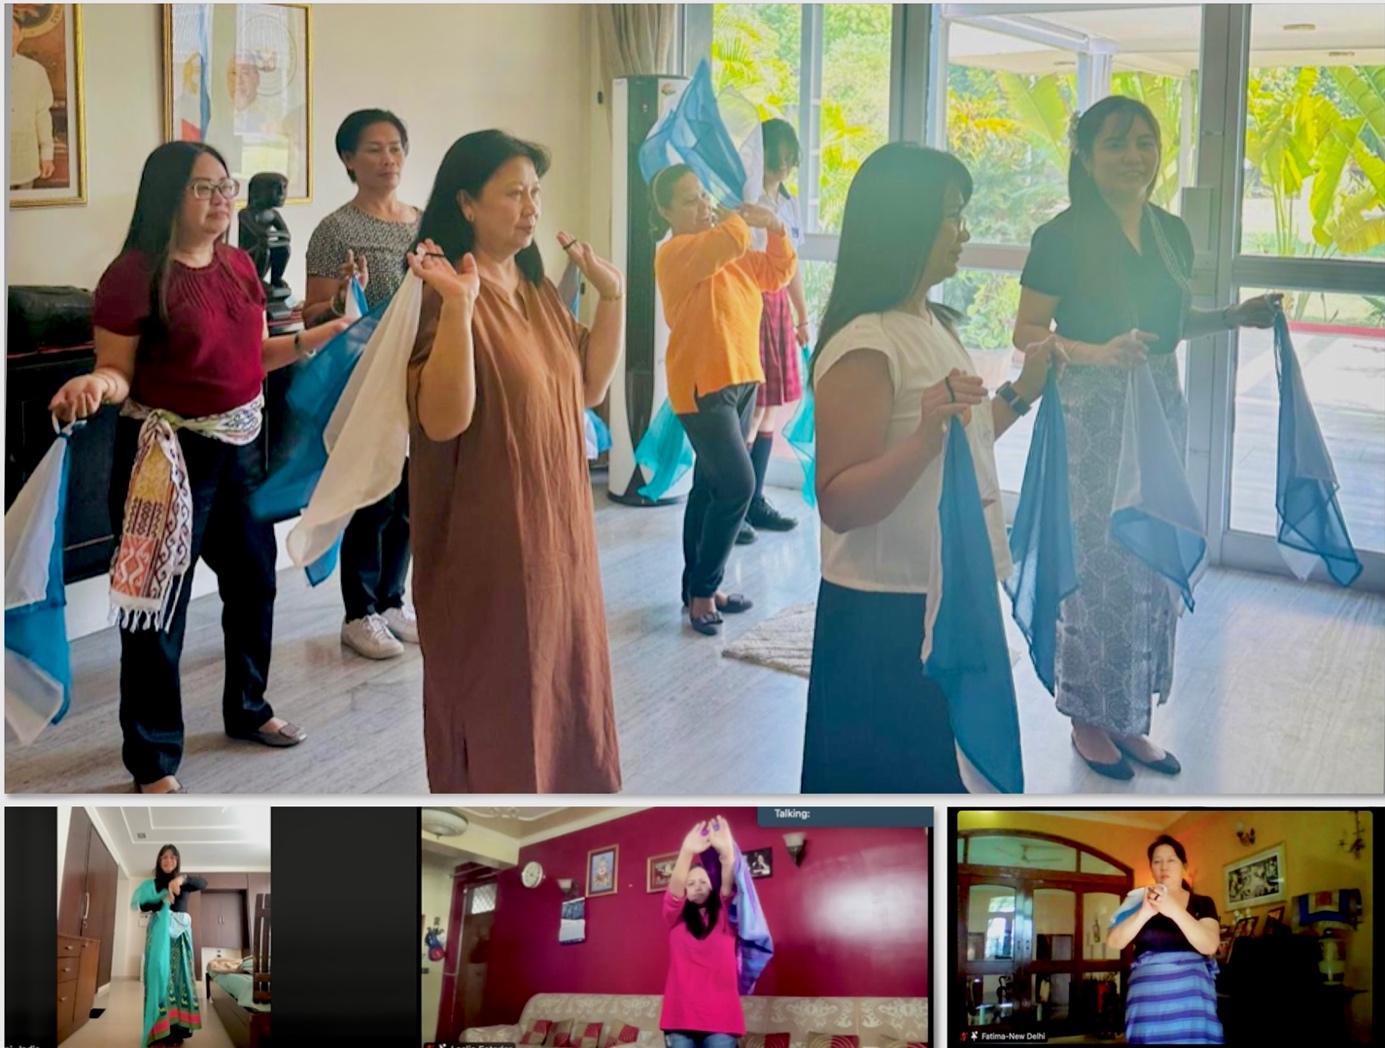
x=1165, y=765
x=1120, y=769
x=763, y=516
x=736, y=603
x=708, y=625
x=745, y=536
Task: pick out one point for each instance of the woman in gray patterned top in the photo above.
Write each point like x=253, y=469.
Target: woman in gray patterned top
x=368, y=238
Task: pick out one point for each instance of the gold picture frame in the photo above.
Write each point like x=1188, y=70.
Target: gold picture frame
x=70, y=56
x=603, y=870
x=281, y=52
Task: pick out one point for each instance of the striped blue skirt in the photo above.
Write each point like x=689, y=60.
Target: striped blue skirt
x=1172, y=1000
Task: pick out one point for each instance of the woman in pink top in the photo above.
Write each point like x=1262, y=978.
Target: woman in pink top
x=702, y=1003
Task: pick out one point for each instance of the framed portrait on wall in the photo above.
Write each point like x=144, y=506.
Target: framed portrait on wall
x=1255, y=880
x=658, y=871
x=601, y=870
x=48, y=149
x=239, y=77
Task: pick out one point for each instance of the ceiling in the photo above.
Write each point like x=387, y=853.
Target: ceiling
x=530, y=825
x=1160, y=38
x=1145, y=818
x=209, y=839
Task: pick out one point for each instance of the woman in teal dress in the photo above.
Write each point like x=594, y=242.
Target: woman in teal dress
x=172, y=1011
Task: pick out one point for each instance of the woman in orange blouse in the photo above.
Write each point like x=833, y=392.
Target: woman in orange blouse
x=712, y=286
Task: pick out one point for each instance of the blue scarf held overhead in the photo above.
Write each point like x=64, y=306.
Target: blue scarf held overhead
x=693, y=132
x=1041, y=539
x=1311, y=526
x=1153, y=513
x=754, y=944
x=969, y=658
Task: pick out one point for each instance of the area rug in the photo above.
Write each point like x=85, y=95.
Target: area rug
x=784, y=642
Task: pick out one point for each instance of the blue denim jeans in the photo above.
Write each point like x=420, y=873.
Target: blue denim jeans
x=698, y=1039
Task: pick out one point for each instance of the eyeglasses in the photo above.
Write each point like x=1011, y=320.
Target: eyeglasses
x=203, y=188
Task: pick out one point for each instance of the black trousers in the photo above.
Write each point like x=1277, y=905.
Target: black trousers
x=375, y=555
x=241, y=551
x=875, y=723
x=723, y=484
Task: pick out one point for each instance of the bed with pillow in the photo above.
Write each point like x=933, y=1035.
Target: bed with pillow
x=240, y=991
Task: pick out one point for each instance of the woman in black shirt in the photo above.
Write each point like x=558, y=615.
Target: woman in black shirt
x=1112, y=274
x=1172, y=996
x=172, y=1009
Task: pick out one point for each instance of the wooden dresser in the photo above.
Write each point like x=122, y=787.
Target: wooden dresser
x=77, y=963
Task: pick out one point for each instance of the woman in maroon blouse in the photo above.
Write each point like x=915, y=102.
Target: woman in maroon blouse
x=182, y=344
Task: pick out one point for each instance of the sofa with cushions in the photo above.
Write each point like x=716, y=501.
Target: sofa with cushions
x=562, y=1020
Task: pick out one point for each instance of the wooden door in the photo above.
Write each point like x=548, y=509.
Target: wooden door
x=476, y=936
x=72, y=897
x=102, y=875
x=258, y=885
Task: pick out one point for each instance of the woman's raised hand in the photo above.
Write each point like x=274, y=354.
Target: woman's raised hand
x=954, y=395
x=1257, y=312
x=760, y=217
x=1129, y=349
x=1038, y=356
x=429, y=263
x=79, y=397
x=696, y=841
x=720, y=835
x=608, y=281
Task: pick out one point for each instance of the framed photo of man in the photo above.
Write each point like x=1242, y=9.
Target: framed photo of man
x=239, y=77
x=48, y=157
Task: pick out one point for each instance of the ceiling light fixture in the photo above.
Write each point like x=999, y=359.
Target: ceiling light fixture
x=1300, y=27
x=443, y=822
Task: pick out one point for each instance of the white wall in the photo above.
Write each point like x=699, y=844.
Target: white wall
x=446, y=70
x=437, y=902
x=64, y=823
x=128, y=946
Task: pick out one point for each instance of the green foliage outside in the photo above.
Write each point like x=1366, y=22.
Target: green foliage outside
x=1315, y=147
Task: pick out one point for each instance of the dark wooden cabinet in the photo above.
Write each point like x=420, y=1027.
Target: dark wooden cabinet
x=223, y=920
x=77, y=964
x=87, y=904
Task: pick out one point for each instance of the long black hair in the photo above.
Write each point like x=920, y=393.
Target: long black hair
x=894, y=210
x=1178, y=850
x=470, y=163
x=661, y=196
x=351, y=129
x=161, y=878
x=692, y=914
x=154, y=224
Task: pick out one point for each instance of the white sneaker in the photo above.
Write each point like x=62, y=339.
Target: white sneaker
x=371, y=637
x=402, y=622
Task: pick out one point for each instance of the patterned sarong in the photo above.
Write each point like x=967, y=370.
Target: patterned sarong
x=1172, y=1000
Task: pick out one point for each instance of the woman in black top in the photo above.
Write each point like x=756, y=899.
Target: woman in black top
x=1172, y=997
x=172, y=1008
x=1111, y=274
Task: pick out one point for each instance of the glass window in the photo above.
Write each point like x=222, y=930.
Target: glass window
x=855, y=105
x=756, y=50
x=1055, y=924
x=1089, y=863
x=1097, y=910
x=1314, y=179
x=1030, y=852
x=1340, y=344
x=990, y=922
x=1008, y=106
x=481, y=899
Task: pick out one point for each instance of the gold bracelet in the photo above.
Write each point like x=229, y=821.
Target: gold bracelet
x=613, y=298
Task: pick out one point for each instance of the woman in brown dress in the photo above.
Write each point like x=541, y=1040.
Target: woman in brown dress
x=516, y=667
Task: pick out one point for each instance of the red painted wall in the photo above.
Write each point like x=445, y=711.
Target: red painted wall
x=852, y=921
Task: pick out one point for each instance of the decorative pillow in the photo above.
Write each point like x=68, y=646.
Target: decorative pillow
x=224, y=964
x=765, y=1040
x=585, y=1035
x=833, y=1040
x=537, y=1032
x=899, y=1042
x=247, y=964
x=627, y=1035
x=559, y=1034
